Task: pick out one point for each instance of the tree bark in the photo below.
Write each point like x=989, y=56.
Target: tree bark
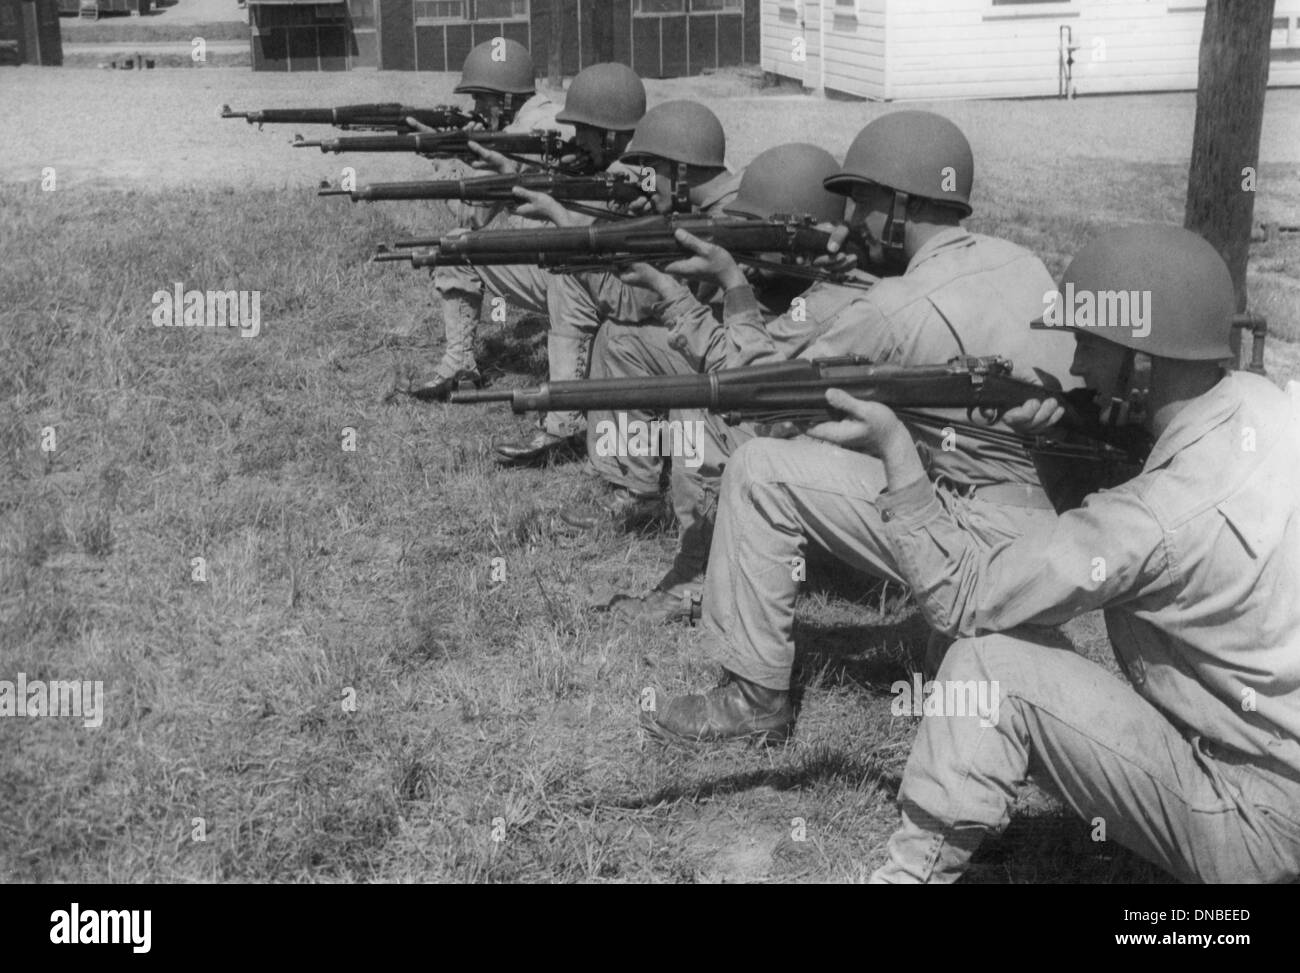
x=1233, y=78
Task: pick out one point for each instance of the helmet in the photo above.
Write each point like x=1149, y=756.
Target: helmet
x=510, y=72
x=679, y=131
x=914, y=152
x=609, y=96
x=1192, y=300
x=787, y=179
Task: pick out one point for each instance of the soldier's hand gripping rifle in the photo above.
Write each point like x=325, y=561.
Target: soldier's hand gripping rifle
x=546, y=146
x=649, y=239
x=784, y=397
x=602, y=187
x=386, y=117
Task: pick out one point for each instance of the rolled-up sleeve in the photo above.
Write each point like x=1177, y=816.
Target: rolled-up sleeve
x=1108, y=552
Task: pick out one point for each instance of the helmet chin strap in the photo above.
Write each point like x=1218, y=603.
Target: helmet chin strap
x=1126, y=404
x=609, y=148
x=506, y=113
x=681, y=189
x=889, y=250
x=896, y=226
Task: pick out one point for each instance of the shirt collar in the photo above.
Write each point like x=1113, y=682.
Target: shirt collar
x=718, y=188
x=949, y=238
x=1200, y=416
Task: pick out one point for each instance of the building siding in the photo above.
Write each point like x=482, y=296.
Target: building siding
x=939, y=49
x=853, y=36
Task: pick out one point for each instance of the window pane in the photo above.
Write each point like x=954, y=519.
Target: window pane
x=644, y=7
x=709, y=6
x=501, y=10
x=363, y=13
x=440, y=10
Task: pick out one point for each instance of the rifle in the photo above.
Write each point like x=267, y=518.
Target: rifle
x=601, y=246
x=446, y=145
x=387, y=117
x=783, y=397
x=498, y=189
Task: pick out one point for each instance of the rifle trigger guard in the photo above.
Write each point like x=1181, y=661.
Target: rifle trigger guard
x=990, y=415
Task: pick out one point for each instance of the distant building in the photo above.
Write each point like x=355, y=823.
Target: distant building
x=658, y=38
x=93, y=8
x=29, y=32
x=928, y=49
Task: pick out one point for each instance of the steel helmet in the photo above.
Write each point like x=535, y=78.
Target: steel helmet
x=679, y=131
x=1192, y=301
x=510, y=72
x=915, y=152
x=609, y=96
x=787, y=180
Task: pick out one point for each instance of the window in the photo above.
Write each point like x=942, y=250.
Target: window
x=500, y=9
x=363, y=14
x=436, y=11
x=1281, y=26
x=1031, y=9
x=717, y=6
x=463, y=11
x=655, y=8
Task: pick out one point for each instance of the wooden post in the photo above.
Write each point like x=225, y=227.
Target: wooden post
x=1232, y=82
x=554, y=61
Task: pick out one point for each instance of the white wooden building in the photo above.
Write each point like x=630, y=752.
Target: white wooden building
x=927, y=49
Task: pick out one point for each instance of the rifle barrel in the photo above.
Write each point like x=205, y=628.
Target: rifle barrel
x=471, y=396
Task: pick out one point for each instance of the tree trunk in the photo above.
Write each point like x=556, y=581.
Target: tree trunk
x=1229, y=116
x=555, y=49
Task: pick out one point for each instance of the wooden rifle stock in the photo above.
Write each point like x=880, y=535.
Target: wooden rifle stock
x=600, y=245
x=792, y=394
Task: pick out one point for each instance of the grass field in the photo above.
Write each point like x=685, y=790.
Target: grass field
x=484, y=709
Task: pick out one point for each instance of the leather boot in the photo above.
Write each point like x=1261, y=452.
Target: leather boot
x=623, y=506
x=674, y=600
x=736, y=709
x=658, y=607
x=536, y=450
x=428, y=385
x=435, y=388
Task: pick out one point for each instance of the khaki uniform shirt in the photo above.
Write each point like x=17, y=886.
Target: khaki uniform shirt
x=1196, y=562
x=536, y=114
x=962, y=294
x=625, y=304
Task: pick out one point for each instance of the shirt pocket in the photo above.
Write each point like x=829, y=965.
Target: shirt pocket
x=1256, y=519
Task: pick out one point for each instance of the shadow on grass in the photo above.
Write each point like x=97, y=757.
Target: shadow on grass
x=1057, y=847
x=517, y=347
x=819, y=767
